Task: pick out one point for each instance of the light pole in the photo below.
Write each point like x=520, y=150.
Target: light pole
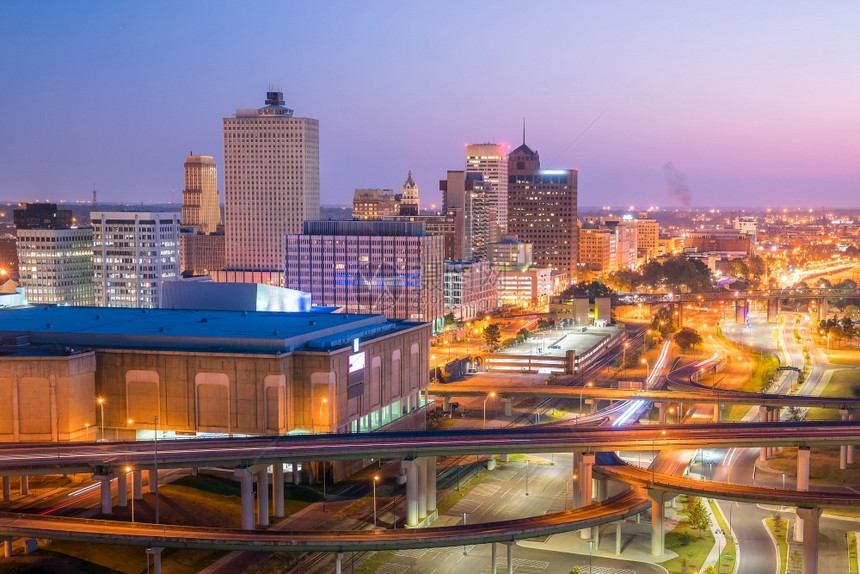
x=88, y=430
x=324, y=480
x=527, y=477
x=375, y=480
x=590, y=552
x=647, y=369
x=491, y=395
x=464, y=524
x=582, y=390
x=101, y=402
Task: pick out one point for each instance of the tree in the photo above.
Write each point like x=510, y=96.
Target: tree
x=450, y=319
x=796, y=416
x=492, y=335
x=687, y=338
x=576, y=570
x=661, y=321
x=524, y=334
x=590, y=289
x=709, y=570
x=738, y=268
x=777, y=521
x=697, y=514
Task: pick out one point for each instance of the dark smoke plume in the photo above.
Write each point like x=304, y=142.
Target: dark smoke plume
x=676, y=186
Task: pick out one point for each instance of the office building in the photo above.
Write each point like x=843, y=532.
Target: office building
x=448, y=226
x=510, y=251
x=491, y=161
x=55, y=261
x=42, y=216
x=747, y=224
x=202, y=253
x=597, y=249
x=647, y=235
x=470, y=289
x=524, y=287
x=390, y=267
x=542, y=210
x=201, y=206
x=464, y=196
x=133, y=254
x=271, y=183
x=56, y=266
x=374, y=203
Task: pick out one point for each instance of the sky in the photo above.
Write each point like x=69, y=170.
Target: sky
x=745, y=104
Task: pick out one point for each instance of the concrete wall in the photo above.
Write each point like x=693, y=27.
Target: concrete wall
x=47, y=398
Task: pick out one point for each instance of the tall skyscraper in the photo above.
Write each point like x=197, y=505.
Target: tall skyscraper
x=464, y=197
x=200, y=203
x=55, y=259
x=133, y=254
x=492, y=162
x=271, y=182
x=409, y=202
x=542, y=210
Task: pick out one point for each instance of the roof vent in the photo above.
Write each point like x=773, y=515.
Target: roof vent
x=161, y=329
x=98, y=317
x=48, y=326
x=143, y=311
x=244, y=313
x=312, y=323
x=204, y=320
x=275, y=332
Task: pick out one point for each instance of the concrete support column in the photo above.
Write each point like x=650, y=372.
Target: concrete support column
x=509, y=407
x=7, y=489
x=810, y=518
x=493, y=558
x=7, y=547
x=576, y=488
x=511, y=558
x=740, y=311
x=822, y=309
x=156, y=559
x=263, y=495
x=247, y=490
x=661, y=409
x=849, y=453
x=104, y=489
x=25, y=485
x=586, y=486
x=602, y=488
x=411, y=468
x=297, y=477
x=762, y=417
x=122, y=489
x=772, y=309
x=338, y=563
x=430, y=463
x=153, y=481
x=136, y=485
x=278, y=488
x=802, y=485
x=618, y=538
x=658, y=532
x=422, y=487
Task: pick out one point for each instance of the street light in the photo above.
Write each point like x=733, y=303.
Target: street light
x=101, y=402
x=589, y=384
x=624, y=358
x=491, y=395
x=375, y=480
x=647, y=369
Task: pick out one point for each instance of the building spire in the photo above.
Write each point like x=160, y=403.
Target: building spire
x=524, y=131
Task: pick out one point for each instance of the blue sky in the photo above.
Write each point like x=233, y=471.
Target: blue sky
x=757, y=104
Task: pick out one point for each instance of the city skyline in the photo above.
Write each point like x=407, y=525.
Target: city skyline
x=655, y=105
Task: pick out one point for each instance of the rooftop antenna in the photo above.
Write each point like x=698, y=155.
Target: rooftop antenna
x=524, y=131
x=95, y=202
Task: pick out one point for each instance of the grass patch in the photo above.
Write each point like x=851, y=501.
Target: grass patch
x=374, y=562
x=729, y=552
x=692, y=546
x=845, y=383
x=132, y=559
x=823, y=466
x=781, y=543
x=763, y=366
x=533, y=460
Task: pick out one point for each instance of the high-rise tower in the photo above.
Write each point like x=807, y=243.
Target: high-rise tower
x=542, y=209
x=491, y=161
x=200, y=204
x=271, y=182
